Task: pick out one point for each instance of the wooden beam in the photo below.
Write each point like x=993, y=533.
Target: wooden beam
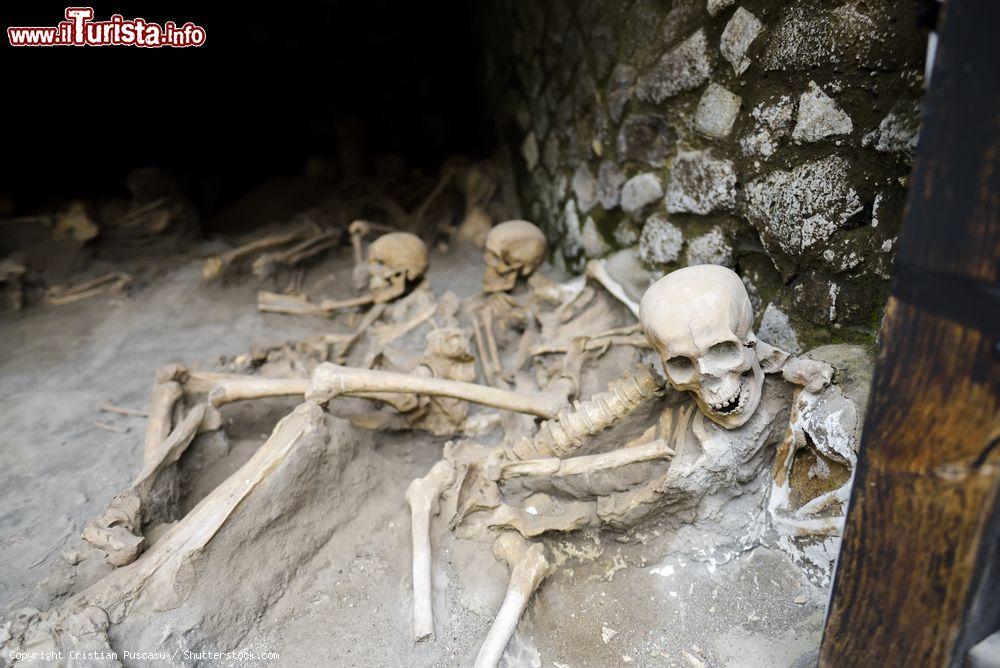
x=918, y=555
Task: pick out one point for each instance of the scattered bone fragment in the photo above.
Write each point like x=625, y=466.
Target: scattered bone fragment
x=166, y=393
x=111, y=282
x=298, y=304
x=107, y=426
x=386, y=334
x=491, y=343
x=117, y=532
x=215, y=266
x=109, y=407
x=630, y=335
x=596, y=270
x=478, y=186
x=76, y=224
x=513, y=248
x=810, y=374
x=423, y=495
x=344, y=347
x=529, y=566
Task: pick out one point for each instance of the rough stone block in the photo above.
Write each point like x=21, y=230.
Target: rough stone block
x=710, y=248
x=640, y=192
x=802, y=208
x=701, y=183
x=585, y=188
x=646, y=138
x=820, y=117
x=609, y=184
x=717, y=111
x=684, y=67
x=661, y=241
x=742, y=29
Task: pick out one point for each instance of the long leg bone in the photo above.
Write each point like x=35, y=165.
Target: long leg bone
x=331, y=380
x=373, y=314
x=240, y=388
x=214, y=266
x=272, y=302
x=65, y=294
x=166, y=393
x=423, y=495
x=263, y=266
x=529, y=566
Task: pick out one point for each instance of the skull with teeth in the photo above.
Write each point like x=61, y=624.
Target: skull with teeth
x=514, y=248
x=395, y=260
x=699, y=320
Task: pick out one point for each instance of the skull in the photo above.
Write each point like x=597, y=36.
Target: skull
x=513, y=248
x=394, y=260
x=699, y=320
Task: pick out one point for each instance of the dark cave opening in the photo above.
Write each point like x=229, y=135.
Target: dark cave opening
x=268, y=90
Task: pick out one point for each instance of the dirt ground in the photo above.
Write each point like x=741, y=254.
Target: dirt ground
x=615, y=603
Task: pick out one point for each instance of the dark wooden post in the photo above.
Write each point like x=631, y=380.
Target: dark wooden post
x=917, y=581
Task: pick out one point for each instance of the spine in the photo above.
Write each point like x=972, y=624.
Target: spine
x=564, y=434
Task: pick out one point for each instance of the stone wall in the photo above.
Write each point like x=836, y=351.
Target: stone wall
x=774, y=137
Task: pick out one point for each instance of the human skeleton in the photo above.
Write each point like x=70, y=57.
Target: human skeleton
x=717, y=413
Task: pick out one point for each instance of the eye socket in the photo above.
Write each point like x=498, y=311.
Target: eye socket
x=726, y=351
x=679, y=367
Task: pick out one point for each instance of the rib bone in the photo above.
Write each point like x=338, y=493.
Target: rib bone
x=423, y=495
x=529, y=567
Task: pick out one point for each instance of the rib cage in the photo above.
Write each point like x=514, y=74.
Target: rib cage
x=564, y=434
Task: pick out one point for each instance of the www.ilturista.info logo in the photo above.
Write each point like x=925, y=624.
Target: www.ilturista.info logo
x=79, y=29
